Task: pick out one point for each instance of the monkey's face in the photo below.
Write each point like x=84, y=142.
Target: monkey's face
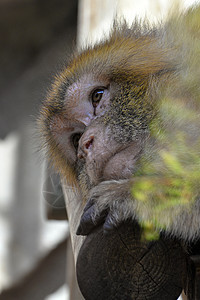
x=93, y=100
x=115, y=72
x=103, y=157
x=84, y=100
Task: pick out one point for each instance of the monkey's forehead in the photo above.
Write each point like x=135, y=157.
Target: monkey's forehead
x=127, y=53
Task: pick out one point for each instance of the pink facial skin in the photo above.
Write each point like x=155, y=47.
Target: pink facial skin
x=78, y=112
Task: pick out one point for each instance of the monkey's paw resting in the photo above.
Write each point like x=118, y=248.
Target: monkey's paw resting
x=109, y=203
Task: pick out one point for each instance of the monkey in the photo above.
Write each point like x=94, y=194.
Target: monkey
x=126, y=91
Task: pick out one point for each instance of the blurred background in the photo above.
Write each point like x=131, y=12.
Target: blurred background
x=36, y=36
x=36, y=39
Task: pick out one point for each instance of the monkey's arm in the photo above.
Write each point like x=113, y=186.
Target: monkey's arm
x=111, y=203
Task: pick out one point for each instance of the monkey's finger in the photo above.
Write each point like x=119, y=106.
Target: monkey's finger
x=110, y=224
x=88, y=222
x=89, y=204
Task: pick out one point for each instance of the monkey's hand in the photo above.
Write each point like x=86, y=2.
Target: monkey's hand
x=109, y=203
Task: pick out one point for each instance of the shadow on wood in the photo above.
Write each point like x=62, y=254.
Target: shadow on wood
x=120, y=266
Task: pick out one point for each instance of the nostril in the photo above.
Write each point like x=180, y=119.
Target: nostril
x=85, y=145
x=75, y=140
x=89, y=142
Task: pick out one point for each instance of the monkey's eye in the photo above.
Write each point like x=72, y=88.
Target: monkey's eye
x=75, y=140
x=96, y=96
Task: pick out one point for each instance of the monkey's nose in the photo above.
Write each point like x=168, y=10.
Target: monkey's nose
x=85, y=145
